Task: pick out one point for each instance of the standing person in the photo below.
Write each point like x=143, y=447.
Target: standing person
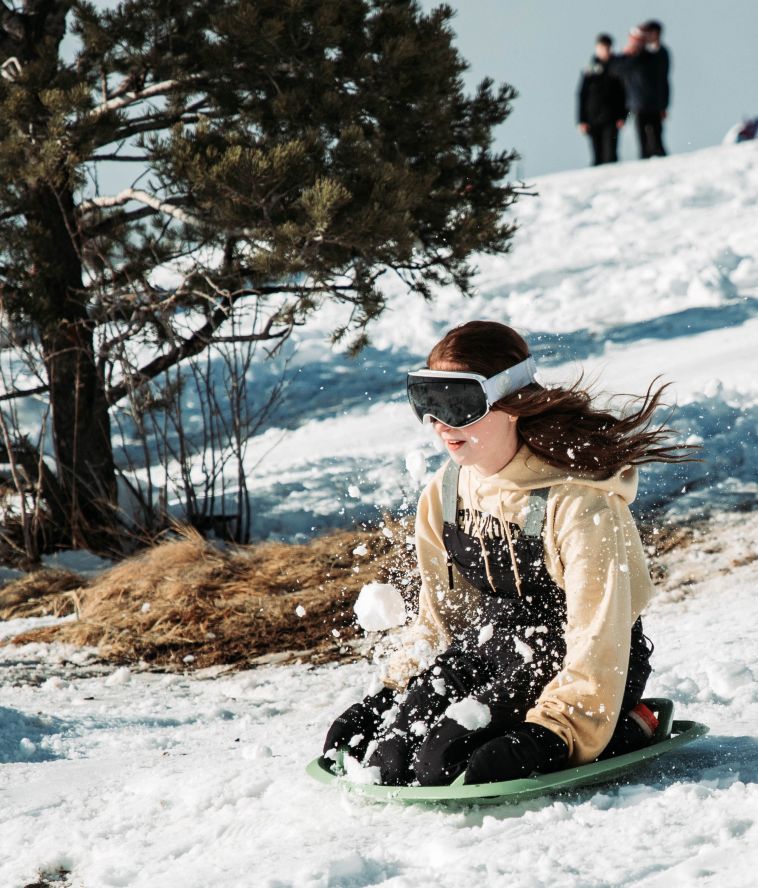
x=650, y=122
x=601, y=103
x=533, y=578
x=644, y=68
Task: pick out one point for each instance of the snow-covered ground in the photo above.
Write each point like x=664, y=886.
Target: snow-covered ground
x=133, y=779
x=129, y=779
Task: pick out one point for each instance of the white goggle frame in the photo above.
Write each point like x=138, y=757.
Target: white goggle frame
x=495, y=387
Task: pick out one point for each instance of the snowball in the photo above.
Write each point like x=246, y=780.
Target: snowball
x=300, y=610
x=485, y=633
x=354, y=491
x=379, y=606
x=355, y=771
x=470, y=713
x=419, y=728
x=360, y=550
x=439, y=686
x=145, y=609
x=188, y=659
x=388, y=533
x=596, y=518
x=415, y=463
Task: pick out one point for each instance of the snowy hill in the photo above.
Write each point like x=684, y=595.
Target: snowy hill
x=629, y=272
x=123, y=778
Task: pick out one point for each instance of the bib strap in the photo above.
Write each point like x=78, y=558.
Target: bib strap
x=450, y=493
x=536, y=511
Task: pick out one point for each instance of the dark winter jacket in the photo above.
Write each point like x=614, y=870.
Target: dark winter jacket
x=646, y=79
x=602, y=99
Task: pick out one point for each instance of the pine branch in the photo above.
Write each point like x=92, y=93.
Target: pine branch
x=133, y=96
x=139, y=196
x=104, y=226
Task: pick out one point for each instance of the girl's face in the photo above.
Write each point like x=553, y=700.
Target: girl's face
x=488, y=444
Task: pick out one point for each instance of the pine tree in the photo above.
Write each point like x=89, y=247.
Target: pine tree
x=284, y=152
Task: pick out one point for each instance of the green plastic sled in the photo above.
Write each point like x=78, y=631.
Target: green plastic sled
x=669, y=736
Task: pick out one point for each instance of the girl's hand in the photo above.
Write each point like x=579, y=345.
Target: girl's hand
x=360, y=720
x=516, y=754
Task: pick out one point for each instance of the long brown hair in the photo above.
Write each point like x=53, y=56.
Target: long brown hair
x=561, y=425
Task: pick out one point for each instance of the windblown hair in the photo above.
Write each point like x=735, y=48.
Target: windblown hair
x=561, y=425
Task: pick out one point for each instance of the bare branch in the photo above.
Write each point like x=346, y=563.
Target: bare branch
x=191, y=346
x=129, y=194
x=129, y=98
x=23, y=393
x=126, y=158
x=252, y=337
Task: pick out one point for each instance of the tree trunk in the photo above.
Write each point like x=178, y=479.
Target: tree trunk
x=81, y=423
x=81, y=433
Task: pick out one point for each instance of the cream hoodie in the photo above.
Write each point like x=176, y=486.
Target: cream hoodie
x=592, y=551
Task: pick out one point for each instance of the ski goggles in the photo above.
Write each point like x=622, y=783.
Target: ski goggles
x=460, y=399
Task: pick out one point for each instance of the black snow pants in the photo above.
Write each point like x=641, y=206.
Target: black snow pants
x=650, y=134
x=604, y=138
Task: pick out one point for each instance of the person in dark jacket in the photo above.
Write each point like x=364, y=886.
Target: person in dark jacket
x=644, y=68
x=602, y=103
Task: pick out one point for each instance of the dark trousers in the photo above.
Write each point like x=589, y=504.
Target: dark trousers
x=604, y=138
x=650, y=134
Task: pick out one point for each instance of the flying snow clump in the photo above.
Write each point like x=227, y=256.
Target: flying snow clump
x=415, y=463
x=379, y=606
x=470, y=713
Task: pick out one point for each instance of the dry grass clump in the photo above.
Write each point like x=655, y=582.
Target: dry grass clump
x=187, y=603
x=41, y=593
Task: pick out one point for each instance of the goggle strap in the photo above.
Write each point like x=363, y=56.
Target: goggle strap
x=510, y=380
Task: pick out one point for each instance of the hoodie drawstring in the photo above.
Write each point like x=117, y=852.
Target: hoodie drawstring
x=476, y=520
x=511, y=548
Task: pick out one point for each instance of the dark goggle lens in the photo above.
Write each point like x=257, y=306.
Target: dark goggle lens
x=455, y=403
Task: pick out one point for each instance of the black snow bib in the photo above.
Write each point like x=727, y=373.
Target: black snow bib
x=529, y=622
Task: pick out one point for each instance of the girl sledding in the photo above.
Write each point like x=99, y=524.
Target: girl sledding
x=527, y=655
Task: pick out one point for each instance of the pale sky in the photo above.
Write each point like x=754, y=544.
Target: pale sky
x=540, y=47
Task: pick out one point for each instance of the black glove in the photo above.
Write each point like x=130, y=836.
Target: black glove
x=361, y=718
x=393, y=758
x=517, y=754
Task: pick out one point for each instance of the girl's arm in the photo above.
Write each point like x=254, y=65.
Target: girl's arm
x=595, y=555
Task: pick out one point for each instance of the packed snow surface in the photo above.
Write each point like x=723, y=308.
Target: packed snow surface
x=136, y=779
x=121, y=777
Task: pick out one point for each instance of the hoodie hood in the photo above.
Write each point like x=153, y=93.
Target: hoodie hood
x=526, y=472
